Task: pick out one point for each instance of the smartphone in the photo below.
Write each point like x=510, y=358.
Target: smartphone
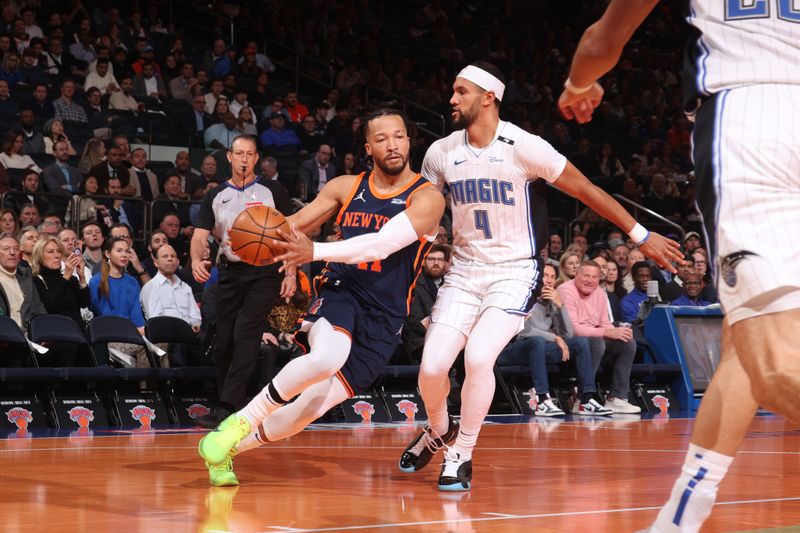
x=76, y=251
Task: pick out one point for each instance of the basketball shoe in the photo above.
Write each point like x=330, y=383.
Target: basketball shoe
x=217, y=445
x=222, y=475
x=419, y=453
x=456, y=473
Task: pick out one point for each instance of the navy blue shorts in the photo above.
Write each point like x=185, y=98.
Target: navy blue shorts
x=374, y=335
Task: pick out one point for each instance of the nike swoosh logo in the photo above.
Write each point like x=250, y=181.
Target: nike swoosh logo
x=226, y=201
x=459, y=162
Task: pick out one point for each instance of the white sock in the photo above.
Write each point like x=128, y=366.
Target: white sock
x=264, y=403
x=256, y=438
x=694, y=493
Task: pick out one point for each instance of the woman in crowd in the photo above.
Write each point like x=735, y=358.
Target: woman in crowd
x=246, y=123
x=87, y=207
x=8, y=221
x=94, y=153
x=53, y=132
x=62, y=293
x=11, y=155
x=568, y=266
x=614, y=280
x=114, y=292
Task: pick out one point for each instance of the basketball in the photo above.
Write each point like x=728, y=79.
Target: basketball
x=251, y=231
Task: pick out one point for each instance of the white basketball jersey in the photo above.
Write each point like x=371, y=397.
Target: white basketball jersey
x=489, y=194
x=741, y=42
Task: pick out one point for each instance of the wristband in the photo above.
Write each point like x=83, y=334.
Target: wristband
x=568, y=85
x=639, y=234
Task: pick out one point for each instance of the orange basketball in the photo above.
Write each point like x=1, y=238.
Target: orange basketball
x=250, y=231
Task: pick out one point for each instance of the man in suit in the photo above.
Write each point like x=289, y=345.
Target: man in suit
x=193, y=186
x=419, y=316
x=315, y=173
x=197, y=121
x=61, y=178
x=18, y=297
x=148, y=87
x=111, y=167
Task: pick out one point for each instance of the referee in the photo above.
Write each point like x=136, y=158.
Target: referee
x=246, y=292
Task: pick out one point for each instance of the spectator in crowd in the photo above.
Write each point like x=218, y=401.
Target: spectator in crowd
x=659, y=199
x=691, y=242
x=92, y=237
x=144, y=179
x=94, y=153
x=149, y=85
x=117, y=210
x=29, y=214
x=18, y=299
x=260, y=95
x=238, y=102
x=348, y=165
x=28, y=236
x=112, y=167
x=28, y=196
x=216, y=60
x=220, y=108
x=177, y=237
x=619, y=254
x=613, y=280
x=60, y=279
x=246, y=122
x=58, y=64
x=269, y=168
x=8, y=221
x=60, y=177
x=315, y=173
x=185, y=86
x=309, y=135
x=425, y=291
x=40, y=102
x=102, y=78
x=123, y=99
x=212, y=96
x=275, y=107
x=157, y=239
x=114, y=292
x=208, y=170
x=100, y=118
x=297, y=111
x=167, y=295
x=190, y=178
x=54, y=132
x=555, y=246
x=692, y=288
x=87, y=207
x=614, y=308
x=32, y=140
x=568, y=266
x=12, y=155
x=170, y=200
x=549, y=337
x=65, y=107
x=29, y=18
x=633, y=300
x=9, y=68
x=261, y=60
x=278, y=135
x=221, y=135
x=199, y=120
x=587, y=306
x=634, y=256
x=8, y=104
x=673, y=289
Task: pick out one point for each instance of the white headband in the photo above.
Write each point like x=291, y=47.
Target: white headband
x=484, y=80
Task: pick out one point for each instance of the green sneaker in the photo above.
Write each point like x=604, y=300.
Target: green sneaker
x=222, y=475
x=216, y=446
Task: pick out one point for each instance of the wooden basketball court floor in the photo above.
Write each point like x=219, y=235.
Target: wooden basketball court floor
x=530, y=475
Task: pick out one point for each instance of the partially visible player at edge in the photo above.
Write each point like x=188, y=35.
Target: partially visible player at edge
x=742, y=88
x=496, y=274
x=388, y=219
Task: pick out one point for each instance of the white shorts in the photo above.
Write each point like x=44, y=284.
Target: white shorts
x=472, y=287
x=747, y=163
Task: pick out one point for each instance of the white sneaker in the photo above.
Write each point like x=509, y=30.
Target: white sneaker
x=548, y=408
x=593, y=408
x=618, y=405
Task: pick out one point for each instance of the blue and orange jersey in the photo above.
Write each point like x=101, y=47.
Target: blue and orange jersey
x=389, y=283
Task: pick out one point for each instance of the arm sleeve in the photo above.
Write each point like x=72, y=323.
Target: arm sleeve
x=539, y=158
x=432, y=167
x=393, y=236
x=205, y=217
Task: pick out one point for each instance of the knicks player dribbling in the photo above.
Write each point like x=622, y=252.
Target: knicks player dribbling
x=742, y=88
x=495, y=277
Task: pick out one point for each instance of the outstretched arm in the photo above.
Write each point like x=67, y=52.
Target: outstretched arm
x=421, y=217
x=598, y=51
x=664, y=251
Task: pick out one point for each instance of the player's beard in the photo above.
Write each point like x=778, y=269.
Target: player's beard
x=466, y=117
x=394, y=167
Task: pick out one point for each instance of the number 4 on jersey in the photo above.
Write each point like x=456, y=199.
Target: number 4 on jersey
x=482, y=222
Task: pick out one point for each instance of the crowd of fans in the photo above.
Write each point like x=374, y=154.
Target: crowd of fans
x=98, y=228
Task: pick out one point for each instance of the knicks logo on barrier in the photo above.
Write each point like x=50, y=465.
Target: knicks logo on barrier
x=408, y=408
x=81, y=415
x=365, y=409
x=20, y=417
x=662, y=402
x=315, y=306
x=197, y=410
x=144, y=415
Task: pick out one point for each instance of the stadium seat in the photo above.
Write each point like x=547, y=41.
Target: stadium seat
x=12, y=334
x=170, y=329
x=55, y=328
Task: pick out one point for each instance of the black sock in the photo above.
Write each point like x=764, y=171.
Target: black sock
x=586, y=396
x=543, y=397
